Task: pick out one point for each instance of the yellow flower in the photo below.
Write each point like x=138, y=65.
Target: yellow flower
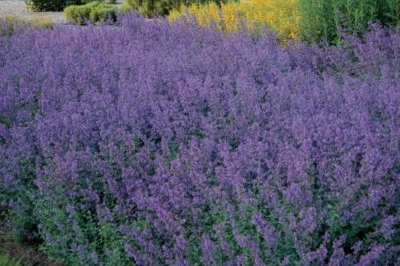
x=281, y=15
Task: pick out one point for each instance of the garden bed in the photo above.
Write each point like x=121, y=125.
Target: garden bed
x=156, y=143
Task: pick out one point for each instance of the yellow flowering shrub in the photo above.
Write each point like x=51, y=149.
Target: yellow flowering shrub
x=281, y=15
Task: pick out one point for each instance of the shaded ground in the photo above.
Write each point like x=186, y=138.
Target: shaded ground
x=27, y=254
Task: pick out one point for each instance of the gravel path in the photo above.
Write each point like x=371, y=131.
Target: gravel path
x=18, y=8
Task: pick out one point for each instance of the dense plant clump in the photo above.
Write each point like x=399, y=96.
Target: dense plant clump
x=94, y=12
x=281, y=15
x=310, y=20
x=325, y=20
x=52, y=5
x=151, y=8
x=12, y=24
x=149, y=143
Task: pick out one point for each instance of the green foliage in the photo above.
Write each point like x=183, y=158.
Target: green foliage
x=54, y=5
x=150, y=8
x=114, y=244
x=75, y=231
x=20, y=197
x=94, y=12
x=103, y=12
x=7, y=261
x=9, y=25
x=325, y=19
x=78, y=14
x=42, y=22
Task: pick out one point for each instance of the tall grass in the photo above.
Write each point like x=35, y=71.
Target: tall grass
x=11, y=24
x=325, y=20
x=311, y=20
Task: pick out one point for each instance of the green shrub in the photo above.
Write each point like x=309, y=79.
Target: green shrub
x=53, y=5
x=324, y=19
x=94, y=12
x=42, y=22
x=103, y=12
x=151, y=8
x=79, y=14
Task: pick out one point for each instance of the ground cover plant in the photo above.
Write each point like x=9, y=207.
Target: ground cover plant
x=156, y=143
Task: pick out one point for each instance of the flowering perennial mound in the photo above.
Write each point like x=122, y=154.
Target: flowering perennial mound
x=149, y=143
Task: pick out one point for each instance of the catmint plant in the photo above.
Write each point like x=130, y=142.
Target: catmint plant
x=156, y=143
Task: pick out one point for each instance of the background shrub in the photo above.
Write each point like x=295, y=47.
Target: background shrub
x=42, y=22
x=103, y=12
x=311, y=20
x=94, y=12
x=251, y=15
x=324, y=20
x=79, y=14
x=152, y=8
x=47, y=5
x=171, y=144
x=10, y=24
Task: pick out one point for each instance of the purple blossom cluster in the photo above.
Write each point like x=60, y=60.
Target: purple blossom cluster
x=150, y=143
